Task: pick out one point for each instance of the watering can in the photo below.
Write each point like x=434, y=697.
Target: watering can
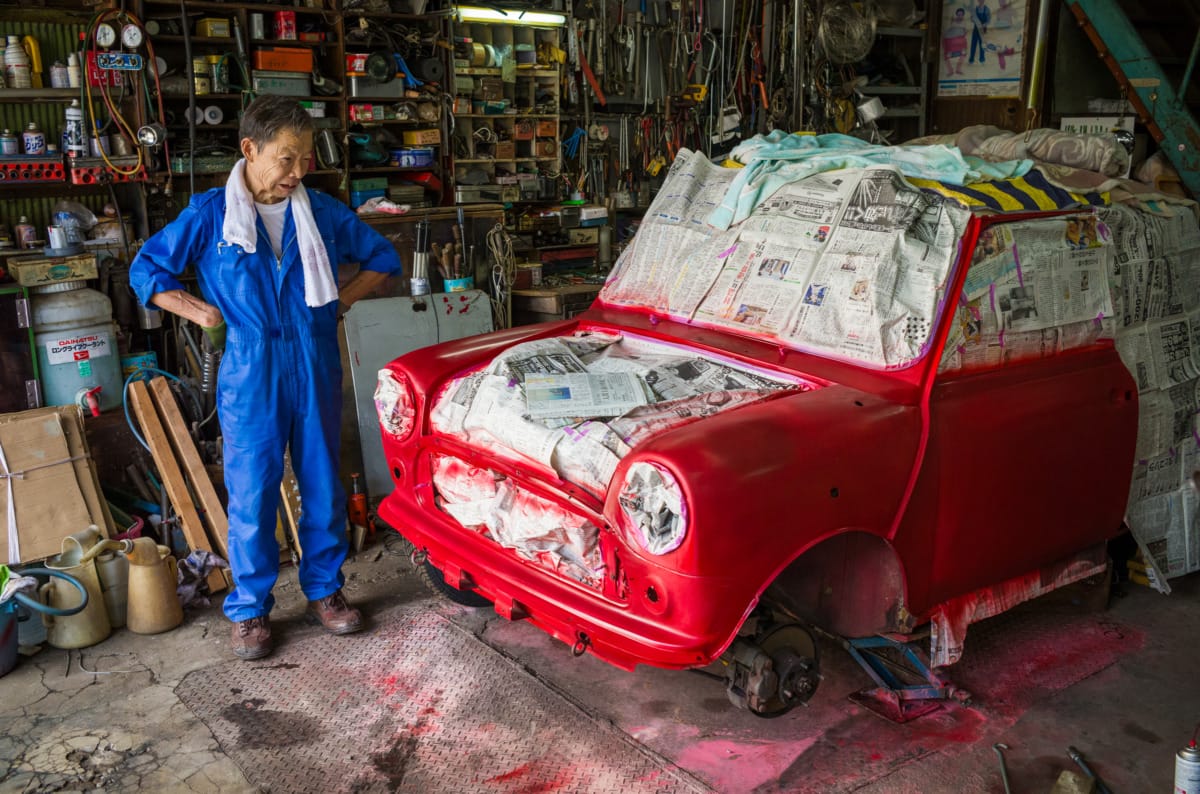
x=154, y=604
x=86, y=626
x=8, y=612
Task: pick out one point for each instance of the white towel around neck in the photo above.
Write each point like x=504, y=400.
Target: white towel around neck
x=240, y=228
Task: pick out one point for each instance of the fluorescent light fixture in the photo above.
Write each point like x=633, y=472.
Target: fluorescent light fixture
x=513, y=17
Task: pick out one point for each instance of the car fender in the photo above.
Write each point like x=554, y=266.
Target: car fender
x=817, y=462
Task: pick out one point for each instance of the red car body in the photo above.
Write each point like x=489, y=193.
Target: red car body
x=860, y=506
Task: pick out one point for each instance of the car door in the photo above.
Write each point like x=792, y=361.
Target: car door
x=1032, y=428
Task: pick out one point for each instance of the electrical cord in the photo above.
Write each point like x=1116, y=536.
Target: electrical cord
x=500, y=246
x=137, y=373
x=191, y=87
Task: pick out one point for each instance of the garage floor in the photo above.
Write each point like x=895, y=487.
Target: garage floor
x=437, y=698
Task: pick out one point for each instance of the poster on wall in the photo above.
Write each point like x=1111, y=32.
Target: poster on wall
x=982, y=48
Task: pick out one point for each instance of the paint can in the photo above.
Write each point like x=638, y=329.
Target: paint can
x=1187, y=770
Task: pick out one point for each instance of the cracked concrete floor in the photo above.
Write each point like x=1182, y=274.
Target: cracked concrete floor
x=106, y=718
x=1119, y=684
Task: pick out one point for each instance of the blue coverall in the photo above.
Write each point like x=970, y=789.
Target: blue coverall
x=981, y=16
x=280, y=383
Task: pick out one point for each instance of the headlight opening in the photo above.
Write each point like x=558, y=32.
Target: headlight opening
x=395, y=404
x=654, y=507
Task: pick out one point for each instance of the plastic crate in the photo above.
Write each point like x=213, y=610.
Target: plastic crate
x=32, y=169
x=94, y=171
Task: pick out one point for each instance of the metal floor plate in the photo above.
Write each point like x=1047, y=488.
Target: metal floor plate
x=416, y=704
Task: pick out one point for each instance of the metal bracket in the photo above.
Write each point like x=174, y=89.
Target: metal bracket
x=893, y=697
x=33, y=394
x=24, y=315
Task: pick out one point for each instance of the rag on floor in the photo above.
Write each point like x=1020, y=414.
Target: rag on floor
x=240, y=228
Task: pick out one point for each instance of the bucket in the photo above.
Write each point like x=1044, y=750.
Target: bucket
x=9, y=618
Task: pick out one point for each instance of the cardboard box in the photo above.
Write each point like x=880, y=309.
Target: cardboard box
x=547, y=129
x=213, y=27
x=490, y=89
x=37, y=271
x=283, y=59
x=505, y=150
x=283, y=25
x=583, y=236
x=422, y=137
x=57, y=493
x=315, y=108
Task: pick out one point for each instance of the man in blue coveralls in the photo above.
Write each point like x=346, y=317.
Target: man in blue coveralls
x=981, y=17
x=265, y=253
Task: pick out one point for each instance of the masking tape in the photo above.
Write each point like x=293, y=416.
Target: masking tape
x=479, y=55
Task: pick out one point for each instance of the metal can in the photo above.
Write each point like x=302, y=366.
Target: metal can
x=34, y=139
x=9, y=143
x=1187, y=770
x=258, y=28
x=202, y=74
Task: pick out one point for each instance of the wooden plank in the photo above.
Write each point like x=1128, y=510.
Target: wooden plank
x=172, y=477
x=193, y=467
x=289, y=497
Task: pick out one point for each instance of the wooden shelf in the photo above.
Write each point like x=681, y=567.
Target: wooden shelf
x=387, y=169
x=360, y=12
x=229, y=8
x=25, y=94
x=479, y=160
x=505, y=115
x=291, y=43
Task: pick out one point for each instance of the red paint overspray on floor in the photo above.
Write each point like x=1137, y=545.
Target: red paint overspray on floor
x=1011, y=662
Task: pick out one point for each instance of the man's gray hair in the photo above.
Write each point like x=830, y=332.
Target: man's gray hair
x=269, y=114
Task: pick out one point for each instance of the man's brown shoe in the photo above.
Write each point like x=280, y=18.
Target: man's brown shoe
x=335, y=614
x=252, y=638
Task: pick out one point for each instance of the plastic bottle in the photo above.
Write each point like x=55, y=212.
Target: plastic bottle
x=74, y=137
x=18, y=71
x=73, y=80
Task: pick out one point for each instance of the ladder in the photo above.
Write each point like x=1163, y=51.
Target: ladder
x=1160, y=105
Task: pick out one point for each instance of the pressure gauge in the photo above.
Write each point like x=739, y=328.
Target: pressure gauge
x=105, y=35
x=131, y=36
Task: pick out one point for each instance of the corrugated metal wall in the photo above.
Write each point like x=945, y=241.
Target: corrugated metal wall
x=55, y=39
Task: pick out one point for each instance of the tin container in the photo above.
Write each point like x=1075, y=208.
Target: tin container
x=1187, y=770
x=9, y=143
x=258, y=28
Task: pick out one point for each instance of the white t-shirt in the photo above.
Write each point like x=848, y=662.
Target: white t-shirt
x=273, y=216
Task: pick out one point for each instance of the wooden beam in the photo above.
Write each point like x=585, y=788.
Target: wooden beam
x=289, y=496
x=172, y=477
x=193, y=468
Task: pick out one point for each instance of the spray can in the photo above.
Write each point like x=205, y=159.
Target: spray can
x=74, y=137
x=1187, y=769
x=9, y=143
x=26, y=233
x=34, y=139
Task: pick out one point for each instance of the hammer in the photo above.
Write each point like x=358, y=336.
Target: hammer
x=1077, y=757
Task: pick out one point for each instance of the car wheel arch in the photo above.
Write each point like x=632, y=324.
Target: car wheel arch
x=851, y=582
